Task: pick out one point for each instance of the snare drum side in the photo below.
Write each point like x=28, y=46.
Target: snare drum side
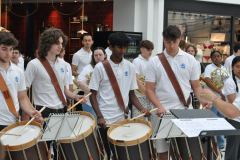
x=29, y=150
x=85, y=145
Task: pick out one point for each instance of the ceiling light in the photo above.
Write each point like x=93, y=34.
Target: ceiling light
x=82, y=31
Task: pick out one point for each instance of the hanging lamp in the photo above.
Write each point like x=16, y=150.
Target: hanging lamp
x=82, y=31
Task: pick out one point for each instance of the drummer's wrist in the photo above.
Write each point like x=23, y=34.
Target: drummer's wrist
x=99, y=116
x=160, y=107
x=215, y=99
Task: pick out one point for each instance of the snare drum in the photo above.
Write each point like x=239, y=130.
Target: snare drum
x=21, y=143
x=84, y=142
x=130, y=140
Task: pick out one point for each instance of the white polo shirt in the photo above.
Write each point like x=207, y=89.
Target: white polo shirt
x=44, y=93
x=83, y=77
x=217, y=74
x=230, y=86
x=14, y=78
x=81, y=58
x=236, y=103
x=185, y=68
x=21, y=62
x=140, y=65
x=108, y=52
x=126, y=78
x=69, y=72
x=228, y=63
x=87, y=70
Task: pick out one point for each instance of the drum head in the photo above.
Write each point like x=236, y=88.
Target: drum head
x=77, y=127
x=83, y=125
x=129, y=133
x=18, y=137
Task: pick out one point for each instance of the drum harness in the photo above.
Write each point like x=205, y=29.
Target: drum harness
x=7, y=96
x=179, y=93
x=115, y=87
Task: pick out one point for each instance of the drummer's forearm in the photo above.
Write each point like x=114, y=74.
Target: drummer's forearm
x=135, y=100
x=71, y=87
x=69, y=94
x=196, y=87
x=155, y=101
x=94, y=103
x=83, y=86
x=226, y=108
x=25, y=103
x=151, y=95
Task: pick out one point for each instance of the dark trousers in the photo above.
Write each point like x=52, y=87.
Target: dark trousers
x=232, y=148
x=108, y=147
x=2, y=127
x=45, y=114
x=79, y=106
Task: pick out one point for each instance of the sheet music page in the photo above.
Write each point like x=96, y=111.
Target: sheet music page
x=193, y=127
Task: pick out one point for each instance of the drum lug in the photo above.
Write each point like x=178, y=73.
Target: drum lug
x=39, y=153
x=74, y=152
x=128, y=158
x=140, y=152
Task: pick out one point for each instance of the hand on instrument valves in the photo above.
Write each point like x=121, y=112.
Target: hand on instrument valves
x=37, y=115
x=78, y=97
x=161, y=111
x=146, y=112
x=101, y=121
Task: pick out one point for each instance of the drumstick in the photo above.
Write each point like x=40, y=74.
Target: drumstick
x=78, y=102
x=141, y=115
x=32, y=118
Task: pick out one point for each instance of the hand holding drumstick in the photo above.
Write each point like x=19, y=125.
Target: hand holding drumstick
x=82, y=99
x=141, y=115
x=35, y=116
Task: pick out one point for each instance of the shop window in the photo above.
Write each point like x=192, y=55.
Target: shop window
x=205, y=31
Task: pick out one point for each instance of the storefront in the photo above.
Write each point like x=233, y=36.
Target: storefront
x=208, y=25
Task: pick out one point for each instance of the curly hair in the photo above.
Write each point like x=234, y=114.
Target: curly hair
x=49, y=37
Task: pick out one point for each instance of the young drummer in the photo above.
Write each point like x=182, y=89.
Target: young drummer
x=13, y=89
x=103, y=99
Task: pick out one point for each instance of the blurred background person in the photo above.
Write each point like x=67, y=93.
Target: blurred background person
x=17, y=59
x=83, y=80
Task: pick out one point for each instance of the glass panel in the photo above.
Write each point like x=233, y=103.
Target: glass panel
x=205, y=31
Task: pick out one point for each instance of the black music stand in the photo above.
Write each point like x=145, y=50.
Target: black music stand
x=198, y=113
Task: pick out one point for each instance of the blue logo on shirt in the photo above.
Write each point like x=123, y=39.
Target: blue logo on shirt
x=16, y=79
x=183, y=66
x=126, y=73
x=62, y=70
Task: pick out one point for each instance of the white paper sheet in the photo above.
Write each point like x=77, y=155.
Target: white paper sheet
x=193, y=127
